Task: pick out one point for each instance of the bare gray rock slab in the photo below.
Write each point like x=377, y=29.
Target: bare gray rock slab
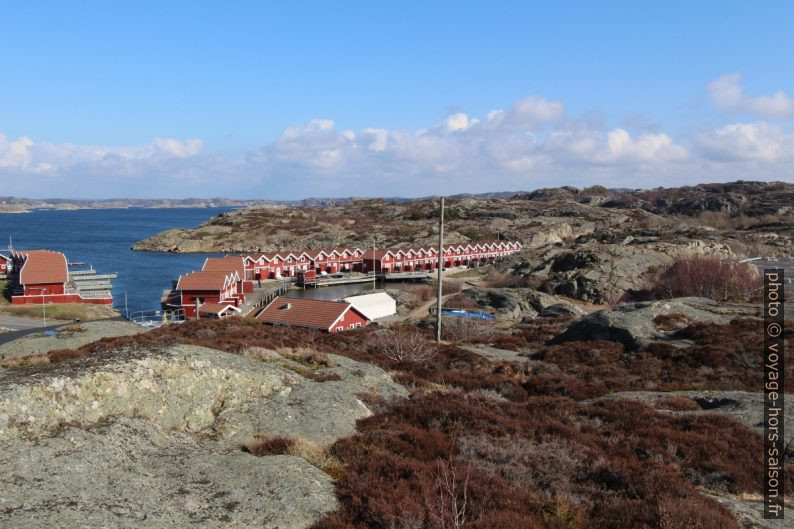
x=633, y=324
x=152, y=438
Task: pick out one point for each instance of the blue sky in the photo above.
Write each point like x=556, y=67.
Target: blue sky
x=285, y=100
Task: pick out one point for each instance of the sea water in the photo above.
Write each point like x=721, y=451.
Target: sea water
x=103, y=239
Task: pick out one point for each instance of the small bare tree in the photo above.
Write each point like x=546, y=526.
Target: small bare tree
x=404, y=343
x=460, y=329
x=449, y=510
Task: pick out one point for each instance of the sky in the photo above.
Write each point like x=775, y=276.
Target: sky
x=285, y=100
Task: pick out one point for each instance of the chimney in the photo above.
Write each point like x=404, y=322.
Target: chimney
x=288, y=306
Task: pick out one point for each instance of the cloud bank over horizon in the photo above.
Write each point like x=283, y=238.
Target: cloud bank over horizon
x=533, y=143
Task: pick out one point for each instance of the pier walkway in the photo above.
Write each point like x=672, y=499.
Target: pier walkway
x=350, y=278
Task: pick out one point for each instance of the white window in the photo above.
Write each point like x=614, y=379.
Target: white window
x=358, y=325
x=340, y=328
x=352, y=326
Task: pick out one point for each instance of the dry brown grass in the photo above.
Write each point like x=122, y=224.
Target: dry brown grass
x=313, y=453
x=307, y=356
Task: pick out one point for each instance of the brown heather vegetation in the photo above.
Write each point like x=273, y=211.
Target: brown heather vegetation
x=707, y=277
x=483, y=444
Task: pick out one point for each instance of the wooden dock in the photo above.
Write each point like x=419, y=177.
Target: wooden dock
x=324, y=281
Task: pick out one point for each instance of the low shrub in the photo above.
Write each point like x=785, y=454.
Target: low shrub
x=466, y=330
x=403, y=343
x=707, y=277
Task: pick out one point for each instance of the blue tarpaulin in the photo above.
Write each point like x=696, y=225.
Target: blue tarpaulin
x=466, y=314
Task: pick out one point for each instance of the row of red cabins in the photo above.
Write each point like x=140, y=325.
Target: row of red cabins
x=275, y=265
x=222, y=284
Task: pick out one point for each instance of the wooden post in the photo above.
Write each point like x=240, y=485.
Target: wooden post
x=440, y=266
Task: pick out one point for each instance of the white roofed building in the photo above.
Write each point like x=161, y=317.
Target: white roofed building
x=374, y=306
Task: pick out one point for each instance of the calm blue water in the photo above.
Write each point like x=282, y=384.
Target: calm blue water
x=103, y=237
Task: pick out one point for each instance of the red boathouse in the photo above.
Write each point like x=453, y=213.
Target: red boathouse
x=43, y=276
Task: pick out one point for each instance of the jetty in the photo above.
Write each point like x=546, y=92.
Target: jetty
x=309, y=278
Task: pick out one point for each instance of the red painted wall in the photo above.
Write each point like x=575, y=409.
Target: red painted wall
x=351, y=317
x=44, y=289
x=59, y=298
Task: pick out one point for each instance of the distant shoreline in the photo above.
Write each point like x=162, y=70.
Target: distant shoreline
x=80, y=208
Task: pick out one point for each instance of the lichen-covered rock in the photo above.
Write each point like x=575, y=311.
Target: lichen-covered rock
x=178, y=387
x=152, y=438
x=133, y=473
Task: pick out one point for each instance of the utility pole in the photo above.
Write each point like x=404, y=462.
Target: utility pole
x=374, y=275
x=440, y=266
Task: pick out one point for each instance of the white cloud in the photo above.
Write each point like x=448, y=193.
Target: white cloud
x=15, y=154
x=533, y=143
x=728, y=94
x=526, y=114
x=760, y=142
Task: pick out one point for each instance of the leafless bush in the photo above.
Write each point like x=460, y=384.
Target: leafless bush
x=615, y=299
x=707, y=277
x=449, y=510
x=403, y=344
x=450, y=287
x=459, y=329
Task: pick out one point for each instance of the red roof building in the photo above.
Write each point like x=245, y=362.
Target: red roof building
x=42, y=270
x=197, y=288
x=231, y=263
x=321, y=315
x=42, y=276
